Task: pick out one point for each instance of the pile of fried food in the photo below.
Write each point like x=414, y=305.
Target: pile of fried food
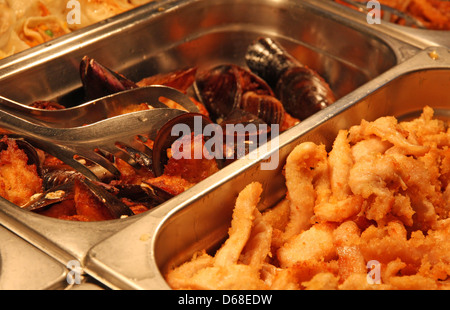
x=433, y=14
x=372, y=213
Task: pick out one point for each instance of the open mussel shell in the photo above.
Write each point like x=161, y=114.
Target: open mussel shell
x=301, y=90
x=99, y=81
x=176, y=128
x=29, y=150
x=220, y=89
x=65, y=191
x=144, y=193
x=242, y=117
x=115, y=206
x=51, y=196
x=266, y=58
x=56, y=177
x=266, y=107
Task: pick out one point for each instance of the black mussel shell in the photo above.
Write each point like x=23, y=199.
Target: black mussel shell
x=244, y=118
x=167, y=135
x=144, y=193
x=303, y=92
x=268, y=59
x=266, y=107
x=221, y=88
x=116, y=207
x=51, y=196
x=65, y=191
x=99, y=81
x=218, y=89
x=56, y=177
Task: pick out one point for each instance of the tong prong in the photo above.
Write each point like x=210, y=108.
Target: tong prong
x=98, y=109
x=83, y=160
x=133, y=152
x=138, y=151
x=115, y=135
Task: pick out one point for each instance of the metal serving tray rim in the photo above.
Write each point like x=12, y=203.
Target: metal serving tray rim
x=141, y=236
x=27, y=225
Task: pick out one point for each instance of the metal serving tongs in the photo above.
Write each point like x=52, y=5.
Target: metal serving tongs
x=116, y=135
x=388, y=12
x=98, y=109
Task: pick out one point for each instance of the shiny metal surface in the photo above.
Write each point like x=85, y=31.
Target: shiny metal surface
x=21, y=266
x=126, y=253
x=67, y=143
x=171, y=234
x=98, y=109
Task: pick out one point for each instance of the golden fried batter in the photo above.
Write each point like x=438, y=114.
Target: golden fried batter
x=18, y=180
x=373, y=213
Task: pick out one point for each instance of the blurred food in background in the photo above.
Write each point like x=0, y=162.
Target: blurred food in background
x=27, y=23
x=433, y=14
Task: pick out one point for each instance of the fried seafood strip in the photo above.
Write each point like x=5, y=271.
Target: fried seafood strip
x=303, y=166
x=375, y=207
x=238, y=263
x=18, y=179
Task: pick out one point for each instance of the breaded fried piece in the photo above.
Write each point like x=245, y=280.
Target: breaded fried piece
x=241, y=225
x=372, y=214
x=315, y=244
x=18, y=180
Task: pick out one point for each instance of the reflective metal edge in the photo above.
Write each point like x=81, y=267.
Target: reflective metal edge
x=420, y=38
x=24, y=267
x=137, y=269
x=64, y=240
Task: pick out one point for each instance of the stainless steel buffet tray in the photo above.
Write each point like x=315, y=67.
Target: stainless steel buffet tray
x=167, y=35
x=171, y=234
